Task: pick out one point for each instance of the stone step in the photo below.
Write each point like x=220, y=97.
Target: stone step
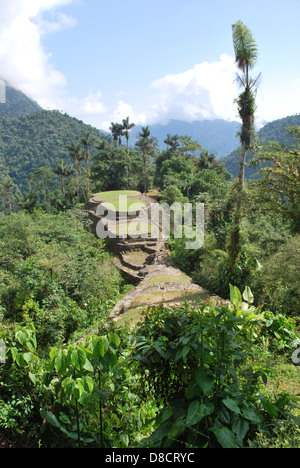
x=131, y=276
x=149, y=247
x=130, y=263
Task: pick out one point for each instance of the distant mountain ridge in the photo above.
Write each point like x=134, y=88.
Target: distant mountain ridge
x=31, y=137
x=218, y=136
x=272, y=131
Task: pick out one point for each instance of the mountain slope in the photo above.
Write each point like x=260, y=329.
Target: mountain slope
x=272, y=131
x=17, y=104
x=37, y=140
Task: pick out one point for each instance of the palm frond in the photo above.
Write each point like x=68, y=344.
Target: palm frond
x=245, y=47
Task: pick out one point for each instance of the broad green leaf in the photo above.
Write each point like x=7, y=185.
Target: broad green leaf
x=32, y=378
x=185, y=352
x=84, y=399
x=98, y=348
x=197, y=411
x=193, y=413
x=80, y=385
x=225, y=437
x=204, y=380
x=88, y=366
x=252, y=415
x=52, y=420
x=53, y=353
x=70, y=387
x=240, y=427
x=14, y=353
x=89, y=383
x=115, y=340
x=59, y=363
x=238, y=295
x=231, y=405
x=20, y=360
x=22, y=337
x=78, y=359
x=232, y=293
x=124, y=439
x=248, y=295
x=206, y=409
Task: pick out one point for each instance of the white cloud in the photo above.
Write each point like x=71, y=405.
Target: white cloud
x=23, y=61
x=122, y=111
x=90, y=109
x=206, y=91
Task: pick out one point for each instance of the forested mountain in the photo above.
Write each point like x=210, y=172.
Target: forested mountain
x=37, y=140
x=17, y=104
x=272, y=131
x=218, y=136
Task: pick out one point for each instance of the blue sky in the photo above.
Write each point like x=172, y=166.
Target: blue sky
x=102, y=61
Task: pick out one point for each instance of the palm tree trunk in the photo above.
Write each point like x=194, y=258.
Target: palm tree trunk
x=77, y=181
x=242, y=178
x=88, y=176
x=62, y=185
x=145, y=174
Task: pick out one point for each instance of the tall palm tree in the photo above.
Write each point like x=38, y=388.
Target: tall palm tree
x=117, y=132
x=127, y=126
x=63, y=171
x=75, y=153
x=145, y=144
x=87, y=141
x=246, y=54
x=172, y=141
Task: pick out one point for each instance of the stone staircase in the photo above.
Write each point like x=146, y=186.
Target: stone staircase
x=146, y=263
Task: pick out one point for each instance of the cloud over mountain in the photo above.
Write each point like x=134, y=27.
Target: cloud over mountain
x=206, y=91
x=23, y=60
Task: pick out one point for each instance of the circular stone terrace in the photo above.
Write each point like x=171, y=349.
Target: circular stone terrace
x=125, y=213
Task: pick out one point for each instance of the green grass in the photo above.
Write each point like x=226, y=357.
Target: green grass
x=130, y=204
x=181, y=278
x=133, y=228
x=131, y=318
x=115, y=194
x=157, y=297
x=136, y=256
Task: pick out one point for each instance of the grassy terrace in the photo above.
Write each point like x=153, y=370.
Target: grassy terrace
x=132, y=228
x=129, y=204
x=108, y=196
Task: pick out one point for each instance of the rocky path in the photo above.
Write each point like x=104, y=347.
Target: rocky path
x=146, y=263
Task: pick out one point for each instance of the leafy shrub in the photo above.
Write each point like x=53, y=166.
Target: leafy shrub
x=20, y=378
x=198, y=363
x=278, y=285
x=55, y=274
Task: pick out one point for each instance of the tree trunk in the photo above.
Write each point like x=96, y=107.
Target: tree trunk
x=242, y=178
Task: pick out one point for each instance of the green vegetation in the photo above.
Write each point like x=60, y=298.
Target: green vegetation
x=54, y=274
x=110, y=196
x=131, y=204
x=192, y=372
x=179, y=369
